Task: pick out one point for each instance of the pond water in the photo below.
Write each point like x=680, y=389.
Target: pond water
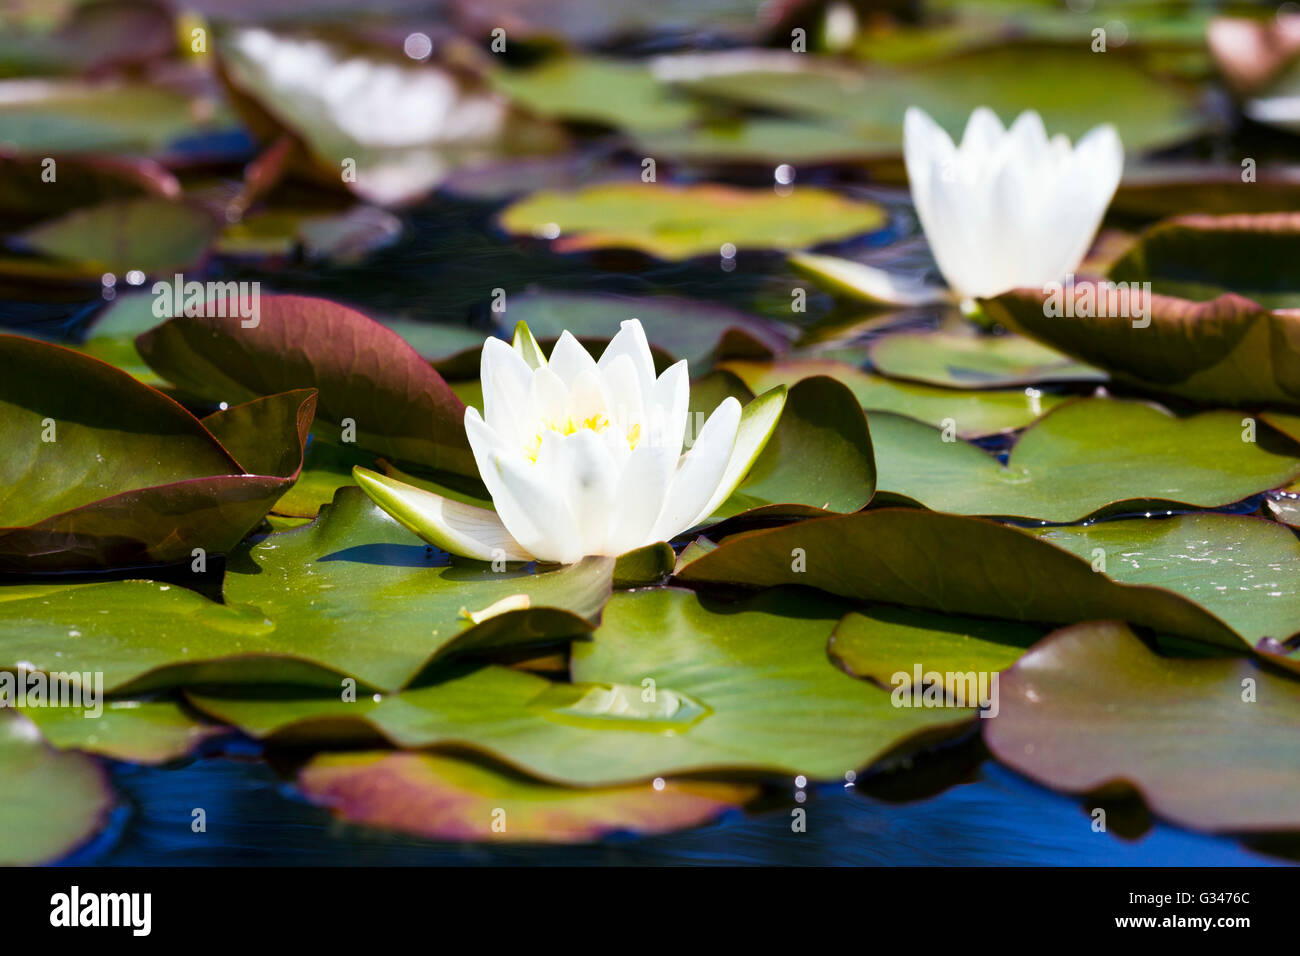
x=999, y=817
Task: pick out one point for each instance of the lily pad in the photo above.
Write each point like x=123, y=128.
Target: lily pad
x=1199, y=257
x=763, y=140
x=1157, y=190
x=366, y=374
x=325, y=469
x=615, y=93
x=678, y=222
x=948, y=563
x=671, y=683
x=140, y=731
x=86, y=181
x=1238, y=567
x=1073, y=88
x=1210, y=744
x=149, y=234
x=976, y=413
x=1088, y=457
x=50, y=802
x=887, y=645
x=823, y=423
x=351, y=595
x=102, y=470
x=1217, y=329
x=441, y=798
x=956, y=360
x=72, y=116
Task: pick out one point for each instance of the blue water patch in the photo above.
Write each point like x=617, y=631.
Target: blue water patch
x=1000, y=818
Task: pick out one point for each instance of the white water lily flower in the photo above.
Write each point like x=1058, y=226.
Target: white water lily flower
x=584, y=456
x=1008, y=207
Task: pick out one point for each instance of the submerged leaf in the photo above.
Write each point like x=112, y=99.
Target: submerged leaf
x=442, y=798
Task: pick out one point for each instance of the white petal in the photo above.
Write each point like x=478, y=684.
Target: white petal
x=630, y=341
x=532, y=510
x=669, y=408
x=569, y=358
x=700, y=472
x=758, y=422
x=450, y=525
x=506, y=381
x=590, y=485
x=642, y=487
x=622, y=386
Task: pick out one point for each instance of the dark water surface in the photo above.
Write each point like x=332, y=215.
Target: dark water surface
x=253, y=818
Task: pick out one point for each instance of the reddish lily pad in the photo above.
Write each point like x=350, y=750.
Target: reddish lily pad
x=366, y=374
x=1210, y=744
x=103, y=471
x=1219, y=327
x=441, y=798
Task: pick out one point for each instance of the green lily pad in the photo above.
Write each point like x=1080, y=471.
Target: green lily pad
x=325, y=469
x=1218, y=331
x=1088, y=457
x=1157, y=190
x=956, y=360
x=948, y=563
x=351, y=595
x=1238, y=567
x=1201, y=257
x=150, y=234
x=648, y=565
x=823, y=423
x=887, y=645
x=1073, y=88
x=613, y=93
x=365, y=373
x=671, y=683
x=102, y=470
x=140, y=731
x=441, y=798
x=678, y=222
x=73, y=116
x=764, y=140
x=1210, y=744
x=50, y=802
x=976, y=413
